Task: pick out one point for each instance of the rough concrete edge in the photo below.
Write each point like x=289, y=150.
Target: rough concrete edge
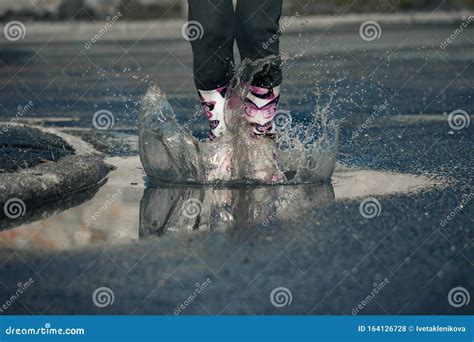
x=81, y=147
x=85, y=153
x=171, y=29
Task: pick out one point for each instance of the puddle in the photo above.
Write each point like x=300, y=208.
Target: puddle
x=124, y=210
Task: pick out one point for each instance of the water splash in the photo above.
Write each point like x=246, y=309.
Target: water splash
x=306, y=152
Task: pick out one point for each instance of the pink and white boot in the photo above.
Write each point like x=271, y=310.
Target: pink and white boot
x=260, y=108
x=218, y=154
x=213, y=103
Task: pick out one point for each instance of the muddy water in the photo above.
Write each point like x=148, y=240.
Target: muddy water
x=125, y=210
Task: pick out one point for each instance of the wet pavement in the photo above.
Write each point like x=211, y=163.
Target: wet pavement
x=24, y=147
x=397, y=217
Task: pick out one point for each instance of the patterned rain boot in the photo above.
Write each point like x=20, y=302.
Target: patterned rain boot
x=218, y=151
x=260, y=108
x=213, y=103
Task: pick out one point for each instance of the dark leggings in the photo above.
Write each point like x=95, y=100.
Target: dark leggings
x=254, y=25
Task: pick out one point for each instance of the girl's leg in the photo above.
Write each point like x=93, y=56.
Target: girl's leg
x=257, y=33
x=213, y=56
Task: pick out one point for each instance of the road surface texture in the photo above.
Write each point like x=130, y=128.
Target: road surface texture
x=323, y=251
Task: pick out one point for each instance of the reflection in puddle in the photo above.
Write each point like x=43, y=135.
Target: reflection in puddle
x=189, y=209
x=123, y=210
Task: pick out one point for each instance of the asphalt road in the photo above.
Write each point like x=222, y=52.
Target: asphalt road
x=330, y=258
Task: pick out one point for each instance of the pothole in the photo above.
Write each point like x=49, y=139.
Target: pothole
x=124, y=210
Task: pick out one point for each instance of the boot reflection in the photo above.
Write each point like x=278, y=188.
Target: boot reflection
x=172, y=210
